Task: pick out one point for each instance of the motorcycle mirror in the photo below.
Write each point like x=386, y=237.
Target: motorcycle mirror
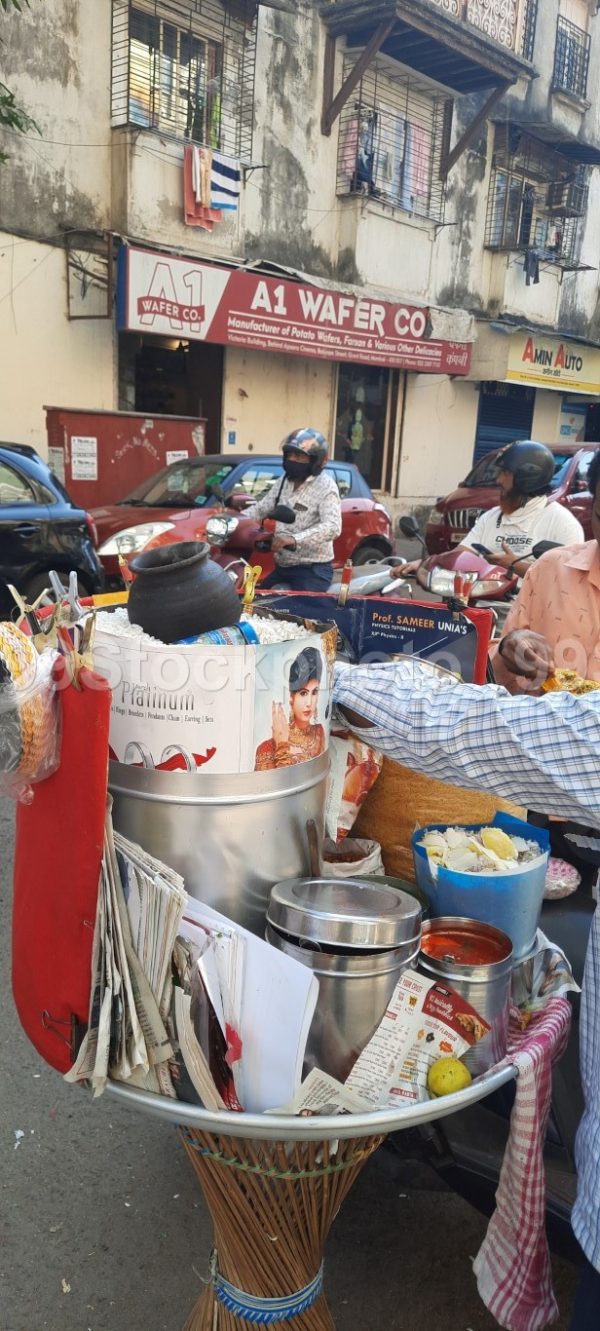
x=409, y=526
x=283, y=513
x=542, y=548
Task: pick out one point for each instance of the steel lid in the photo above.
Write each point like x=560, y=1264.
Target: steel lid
x=344, y=912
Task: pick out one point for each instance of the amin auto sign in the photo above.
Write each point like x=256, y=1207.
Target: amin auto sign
x=178, y=297
x=551, y=363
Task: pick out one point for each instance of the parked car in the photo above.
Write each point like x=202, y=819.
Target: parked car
x=177, y=504
x=454, y=516
x=40, y=529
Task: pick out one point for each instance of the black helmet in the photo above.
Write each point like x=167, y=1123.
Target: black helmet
x=530, y=464
x=307, y=441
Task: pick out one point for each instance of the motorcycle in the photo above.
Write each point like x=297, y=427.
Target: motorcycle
x=469, y=576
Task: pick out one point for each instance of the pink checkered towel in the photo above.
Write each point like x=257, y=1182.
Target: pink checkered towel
x=513, y=1270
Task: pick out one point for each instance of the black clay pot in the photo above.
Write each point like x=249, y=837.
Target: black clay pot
x=179, y=592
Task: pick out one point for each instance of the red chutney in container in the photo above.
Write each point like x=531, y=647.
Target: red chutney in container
x=464, y=946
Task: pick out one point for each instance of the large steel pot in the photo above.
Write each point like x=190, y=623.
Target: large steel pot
x=231, y=837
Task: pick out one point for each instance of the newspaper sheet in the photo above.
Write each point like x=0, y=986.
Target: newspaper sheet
x=424, y=1021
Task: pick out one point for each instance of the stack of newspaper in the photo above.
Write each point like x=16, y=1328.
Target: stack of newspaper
x=140, y=906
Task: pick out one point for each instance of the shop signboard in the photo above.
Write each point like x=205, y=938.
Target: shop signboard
x=170, y=296
x=549, y=362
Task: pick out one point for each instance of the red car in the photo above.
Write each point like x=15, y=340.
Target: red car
x=454, y=516
x=178, y=503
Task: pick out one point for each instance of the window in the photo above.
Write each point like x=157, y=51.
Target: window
x=536, y=199
x=391, y=139
x=187, y=69
x=256, y=481
x=343, y=480
x=14, y=488
x=175, y=79
x=579, y=483
x=571, y=58
x=529, y=28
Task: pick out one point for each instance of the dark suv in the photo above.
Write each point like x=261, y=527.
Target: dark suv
x=40, y=529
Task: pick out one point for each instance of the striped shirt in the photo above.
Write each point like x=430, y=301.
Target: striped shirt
x=318, y=508
x=544, y=753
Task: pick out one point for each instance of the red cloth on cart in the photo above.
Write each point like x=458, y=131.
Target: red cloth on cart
x=58, y=857
x=513, y=1270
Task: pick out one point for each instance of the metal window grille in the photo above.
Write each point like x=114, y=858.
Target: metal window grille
x=536, y=201
x=571, y=58
x=391, y=141
x=530, y=14
x=186, y=68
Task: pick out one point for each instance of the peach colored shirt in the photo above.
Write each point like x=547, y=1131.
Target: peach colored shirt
x=560, y=598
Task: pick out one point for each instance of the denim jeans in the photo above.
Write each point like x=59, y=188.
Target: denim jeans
x=300, y=577
x=586, y=1311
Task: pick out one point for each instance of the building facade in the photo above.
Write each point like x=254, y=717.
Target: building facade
x=378, y=216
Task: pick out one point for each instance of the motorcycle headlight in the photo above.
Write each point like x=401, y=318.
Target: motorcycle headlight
x=440, y=581
x=487, y=587
x=220, y=528
x=132, y=539
x=436, y=517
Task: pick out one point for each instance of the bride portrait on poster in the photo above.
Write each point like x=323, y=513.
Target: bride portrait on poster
x=296, y=732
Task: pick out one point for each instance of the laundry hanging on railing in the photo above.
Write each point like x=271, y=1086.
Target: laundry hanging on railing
x=225, y=182
x=198, y=211
x=212, y=184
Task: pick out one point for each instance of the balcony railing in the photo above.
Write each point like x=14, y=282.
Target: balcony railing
x=500, y=22
x=571, y=58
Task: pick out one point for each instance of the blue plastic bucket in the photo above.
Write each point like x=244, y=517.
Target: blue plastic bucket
x=510, y=902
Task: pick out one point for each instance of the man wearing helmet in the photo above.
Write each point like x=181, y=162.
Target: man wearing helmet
x=303, y=551
x=524, y=516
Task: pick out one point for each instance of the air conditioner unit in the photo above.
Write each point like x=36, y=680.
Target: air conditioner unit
x=566, y=198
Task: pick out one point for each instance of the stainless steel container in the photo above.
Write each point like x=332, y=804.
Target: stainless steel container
x=357, y=938
x=231, y=837
x=477, y=963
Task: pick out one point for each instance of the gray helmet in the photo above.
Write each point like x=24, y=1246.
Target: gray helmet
x=530, y=464
x=308, y=441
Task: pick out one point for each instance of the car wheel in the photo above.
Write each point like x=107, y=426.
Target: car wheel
x=368, y=554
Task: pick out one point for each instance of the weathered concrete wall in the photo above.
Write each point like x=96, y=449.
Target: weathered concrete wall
x=44, y=359
x=56, y=59
x=437, y=446
x=264, y=397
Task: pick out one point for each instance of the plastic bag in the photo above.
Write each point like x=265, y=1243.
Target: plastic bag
x=354, y=768
x=350, y=858
x=29, y=717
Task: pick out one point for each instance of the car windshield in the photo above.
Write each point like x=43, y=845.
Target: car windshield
x=485, y=474
x=186, y=484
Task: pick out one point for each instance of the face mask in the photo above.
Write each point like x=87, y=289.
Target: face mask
x=295, y=471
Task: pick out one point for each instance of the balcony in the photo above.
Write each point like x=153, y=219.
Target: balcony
x=464, y=45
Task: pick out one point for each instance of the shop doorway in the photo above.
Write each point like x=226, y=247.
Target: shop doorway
x=505, y=414
x=168, y=377
x=365, y=412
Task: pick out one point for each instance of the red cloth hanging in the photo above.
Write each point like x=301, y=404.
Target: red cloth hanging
x=57, y=871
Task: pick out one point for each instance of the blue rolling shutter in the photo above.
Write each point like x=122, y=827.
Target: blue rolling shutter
x=505, y=414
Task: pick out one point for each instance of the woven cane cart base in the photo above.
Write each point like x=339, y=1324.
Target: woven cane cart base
x=272, y=1206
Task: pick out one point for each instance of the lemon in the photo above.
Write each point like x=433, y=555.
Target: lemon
x=446, y=1076
x=495, y=839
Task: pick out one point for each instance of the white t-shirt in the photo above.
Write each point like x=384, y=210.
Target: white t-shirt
x=538, y=520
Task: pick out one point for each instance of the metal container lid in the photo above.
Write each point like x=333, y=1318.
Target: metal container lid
x=344, y=912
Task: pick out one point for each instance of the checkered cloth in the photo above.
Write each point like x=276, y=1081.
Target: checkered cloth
x=513, y=1270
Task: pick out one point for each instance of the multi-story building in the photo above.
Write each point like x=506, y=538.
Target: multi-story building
x=378, y=216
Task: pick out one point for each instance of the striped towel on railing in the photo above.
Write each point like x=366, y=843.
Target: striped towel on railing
x=225, y=182
x=513, y=1271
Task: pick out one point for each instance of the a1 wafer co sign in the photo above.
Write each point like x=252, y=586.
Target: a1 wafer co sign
x=178, y=297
